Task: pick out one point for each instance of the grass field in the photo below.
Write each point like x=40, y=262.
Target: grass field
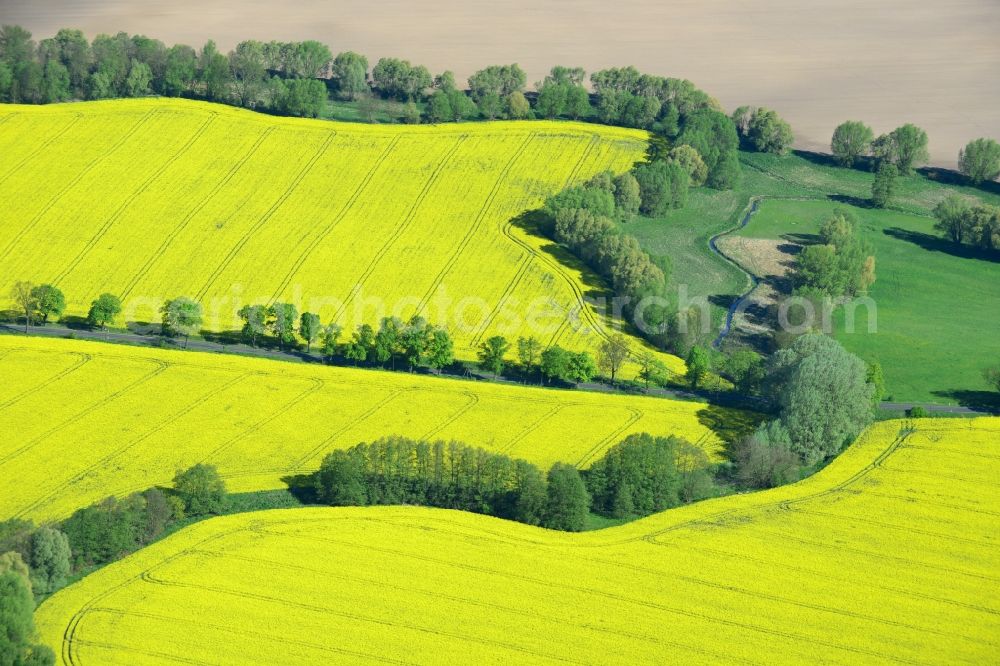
x=889, y=555
x=84, y=420
x=937, y=311
x=153, y=199
x=934, y=305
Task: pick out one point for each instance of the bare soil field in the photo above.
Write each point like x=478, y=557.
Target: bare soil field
x=895, y=61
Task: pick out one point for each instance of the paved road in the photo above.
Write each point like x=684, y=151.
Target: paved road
x=197, y=344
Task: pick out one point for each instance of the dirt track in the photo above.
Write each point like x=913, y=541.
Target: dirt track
x=890, y=62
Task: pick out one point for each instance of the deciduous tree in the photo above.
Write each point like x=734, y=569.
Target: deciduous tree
x=980, y=160
x=852, y=139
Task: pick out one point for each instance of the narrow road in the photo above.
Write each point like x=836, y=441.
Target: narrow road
x=728, y=399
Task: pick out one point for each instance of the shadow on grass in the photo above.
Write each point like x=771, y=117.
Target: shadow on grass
x=981, y=401
x=301, y=487
x=729, y=426
x=943, y=245
x=951, y=177
x=847, y=199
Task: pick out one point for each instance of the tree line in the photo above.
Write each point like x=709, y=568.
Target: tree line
x=297, y=78
x=639, y=476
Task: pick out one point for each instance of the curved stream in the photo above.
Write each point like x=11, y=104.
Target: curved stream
x=754, y=280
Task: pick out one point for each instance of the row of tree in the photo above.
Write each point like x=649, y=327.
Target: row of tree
x=906, y=148
x=641, y=475
x=398, y=470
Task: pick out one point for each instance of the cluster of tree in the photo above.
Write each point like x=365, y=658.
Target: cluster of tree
x=17, y=624
x=397, y=470
x=644, y=474
x=584, y=219
x=282, y=77
x=37, y=303
x=842, y=265
x=416, y=342
x=550, y=364
x=980, y=160
x=905, y=147
x=627, y=97
x=970, y=222
x=109, y=530
x=762, y=130
x=810, y=426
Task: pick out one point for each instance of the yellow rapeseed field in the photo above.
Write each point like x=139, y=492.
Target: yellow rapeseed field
x=889, y=555
x=153, y=199
x=84, y=420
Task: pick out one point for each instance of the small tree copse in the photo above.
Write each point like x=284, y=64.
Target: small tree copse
x=529, y=352
x=281, y=322
x=201, y=489
x=698, y=366
x=49, y=301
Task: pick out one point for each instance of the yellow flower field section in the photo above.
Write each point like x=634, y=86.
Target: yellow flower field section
x=153, y=199
x=84, y=420
x=887, y=556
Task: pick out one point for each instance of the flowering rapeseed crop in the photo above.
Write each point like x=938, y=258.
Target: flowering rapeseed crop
x=83, y=420
x=886, y=556
x=153, y=199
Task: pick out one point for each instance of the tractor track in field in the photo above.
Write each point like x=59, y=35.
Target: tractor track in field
x=169, y=239
x=83, y=360
x=348, y=205
x=159, y=368
x=77, y=117
x=314, y=386
x=145, y=435
x=623, y=599
x=473, y=401
x=150, y=577
x=116, y=215
x=73, y=182
x=477, y=222
x=637, y=415
x=401, y=228
x=257, y=226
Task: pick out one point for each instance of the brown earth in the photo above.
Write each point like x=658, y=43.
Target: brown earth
x=888, y=62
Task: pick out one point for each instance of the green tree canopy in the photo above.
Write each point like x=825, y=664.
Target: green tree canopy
x=567, y=501
x=980, y=160
x=201, y=489
x=852, y=139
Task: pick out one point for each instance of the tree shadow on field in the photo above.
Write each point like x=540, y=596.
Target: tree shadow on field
x=847, y=199
x=301, y=487
x=943, y=245
x=536, y=223
x=981, y=401
x=728, y=424
x=952, y=177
